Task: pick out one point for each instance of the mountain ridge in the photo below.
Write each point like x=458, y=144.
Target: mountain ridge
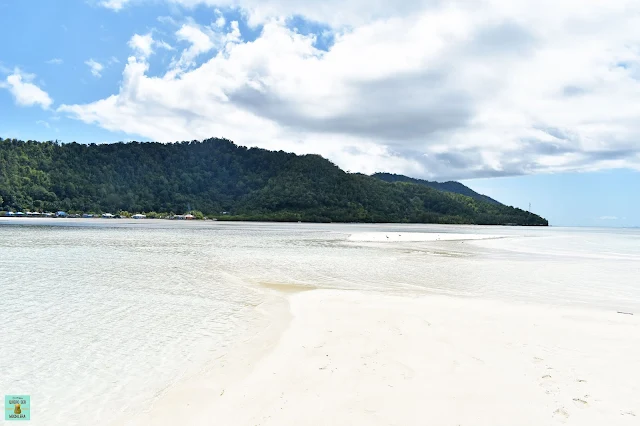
x=448, y=186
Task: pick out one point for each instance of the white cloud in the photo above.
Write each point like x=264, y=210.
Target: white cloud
x=55, y=61
x=43, y=123
x=114, y=4
x=333, y=12
x=168, y=20
x=163, y=45
x=220, y=20
x=24, y=91
x=608, y=218
x=142, y=44
x=200, y=40
x=448, y=90
x=95, y=67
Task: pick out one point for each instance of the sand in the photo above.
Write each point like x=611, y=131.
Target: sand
x=354, y=358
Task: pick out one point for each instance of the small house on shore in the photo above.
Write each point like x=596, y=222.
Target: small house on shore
x=184, y=217
x=139, y=216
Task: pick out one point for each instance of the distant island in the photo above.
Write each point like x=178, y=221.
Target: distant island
x=218, y=179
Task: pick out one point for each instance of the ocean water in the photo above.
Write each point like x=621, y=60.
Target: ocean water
x=99, y=317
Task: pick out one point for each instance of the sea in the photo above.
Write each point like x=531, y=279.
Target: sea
x=100, y=317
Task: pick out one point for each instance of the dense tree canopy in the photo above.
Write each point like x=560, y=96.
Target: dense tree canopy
x=449, y=186
x=216, y=176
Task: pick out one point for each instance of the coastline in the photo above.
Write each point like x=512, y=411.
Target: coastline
x=263, y=219
x=353, y=357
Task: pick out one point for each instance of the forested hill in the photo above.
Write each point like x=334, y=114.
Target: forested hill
x=450, y=186
x=215, y=176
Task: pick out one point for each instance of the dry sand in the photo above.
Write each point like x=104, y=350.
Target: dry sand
x=352, y=358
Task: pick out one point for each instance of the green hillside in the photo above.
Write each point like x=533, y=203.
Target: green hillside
x=215, y=176
x=449, y=186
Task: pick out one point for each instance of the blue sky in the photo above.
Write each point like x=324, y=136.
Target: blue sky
x=597, y=199
x=508, y=97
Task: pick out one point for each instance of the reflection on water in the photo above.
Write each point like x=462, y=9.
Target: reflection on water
x=100, y=316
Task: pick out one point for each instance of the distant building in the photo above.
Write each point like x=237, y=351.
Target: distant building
x=139, y=216
x=107, y=216
x=184, y=217
x=9, y=214
x=61, y=214
x=19, y=214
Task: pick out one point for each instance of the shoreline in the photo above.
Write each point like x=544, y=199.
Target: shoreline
x=354, y=357
x=239, y=219
x=211, y=380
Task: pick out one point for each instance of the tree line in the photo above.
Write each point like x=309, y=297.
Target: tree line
x=215, y=176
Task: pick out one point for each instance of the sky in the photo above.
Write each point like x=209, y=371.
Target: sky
x=526, y=101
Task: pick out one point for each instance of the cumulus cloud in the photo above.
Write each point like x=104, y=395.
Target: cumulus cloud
x=55, y=61
x=200, y=40
x=435, y=89
x=24, y=91
x=95, y=67
x=142, y=44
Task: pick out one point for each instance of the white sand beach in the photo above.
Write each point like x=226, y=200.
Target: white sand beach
x=350, y=358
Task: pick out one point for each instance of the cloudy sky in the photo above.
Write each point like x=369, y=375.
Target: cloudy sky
x=527, y=101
